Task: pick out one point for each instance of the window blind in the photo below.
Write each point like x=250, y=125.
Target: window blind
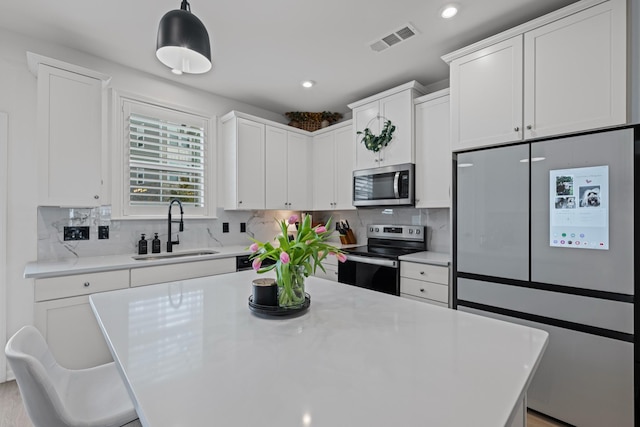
x=166, y=161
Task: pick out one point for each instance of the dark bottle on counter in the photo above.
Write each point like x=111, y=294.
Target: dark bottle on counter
x=142, y=246
x=155, y=245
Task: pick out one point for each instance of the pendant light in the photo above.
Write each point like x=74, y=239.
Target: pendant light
x=183, y=42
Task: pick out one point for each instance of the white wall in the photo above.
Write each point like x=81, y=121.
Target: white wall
x=18, y=98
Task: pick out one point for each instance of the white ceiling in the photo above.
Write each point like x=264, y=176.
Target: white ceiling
x=262, y=49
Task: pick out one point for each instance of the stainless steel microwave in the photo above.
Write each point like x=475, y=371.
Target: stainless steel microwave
x=385, y=186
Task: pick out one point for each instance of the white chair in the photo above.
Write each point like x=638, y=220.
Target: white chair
x=58, y=397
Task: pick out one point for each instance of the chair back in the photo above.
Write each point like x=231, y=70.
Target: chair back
x=37, y=374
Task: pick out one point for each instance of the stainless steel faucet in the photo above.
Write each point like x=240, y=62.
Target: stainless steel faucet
x=170, y=242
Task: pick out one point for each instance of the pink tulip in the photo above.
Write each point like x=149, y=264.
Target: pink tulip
x=253, y=247
x=342, y=257
x=284, y=257
x=293, y=219
x=256, y=264
x=332, y=253
x=321, y=229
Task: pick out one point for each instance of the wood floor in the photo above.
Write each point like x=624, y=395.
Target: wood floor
x=12, y=413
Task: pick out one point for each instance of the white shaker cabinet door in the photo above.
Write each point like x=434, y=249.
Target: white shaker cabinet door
x=72, y=332
x=398, y=108
x=250, y=165
x=298, y=172
x=575, y=75
x=486, y=96
x=324, y=171
x=276, y=168
x=433, y=154
x=69, y=138
x=366, y=116
x=344, y=161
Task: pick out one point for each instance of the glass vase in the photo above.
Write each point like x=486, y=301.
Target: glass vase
x=291, y=292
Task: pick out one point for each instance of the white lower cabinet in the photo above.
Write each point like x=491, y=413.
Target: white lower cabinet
x=64, y=317
x=330, y=265
x=63, y=313
x=425, y=282
x=183, y=271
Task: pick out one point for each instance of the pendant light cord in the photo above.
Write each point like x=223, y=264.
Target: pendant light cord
x=185, y=5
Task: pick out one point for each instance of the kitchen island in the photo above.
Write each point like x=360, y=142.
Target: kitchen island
x=192, y=354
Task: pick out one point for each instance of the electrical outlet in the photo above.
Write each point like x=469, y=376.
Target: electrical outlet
x=76, y=233
x=225, y=227
x=103, y=232
x=243, y=227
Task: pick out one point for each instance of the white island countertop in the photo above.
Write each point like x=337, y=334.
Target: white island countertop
x=192, y=354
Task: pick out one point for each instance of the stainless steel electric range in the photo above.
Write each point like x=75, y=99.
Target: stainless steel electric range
x=375, y=266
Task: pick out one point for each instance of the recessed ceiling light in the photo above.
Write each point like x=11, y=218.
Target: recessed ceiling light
x=449, y=11
x=176, y=71
x=308, y=83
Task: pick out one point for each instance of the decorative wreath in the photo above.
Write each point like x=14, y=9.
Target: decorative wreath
x=377, y=142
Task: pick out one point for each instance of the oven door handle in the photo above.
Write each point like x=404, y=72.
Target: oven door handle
x=396, y=190
x=373, y=261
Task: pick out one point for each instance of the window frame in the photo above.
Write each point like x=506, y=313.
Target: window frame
x=123, y=103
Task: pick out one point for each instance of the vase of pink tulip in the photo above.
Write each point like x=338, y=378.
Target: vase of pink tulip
x=295, y=259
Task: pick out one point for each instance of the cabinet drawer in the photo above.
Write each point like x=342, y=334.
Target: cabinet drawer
x=188, y=270
x=424, y=300
x=422, y=289
x=431, y=273
x=331, y=273
x=80, y=284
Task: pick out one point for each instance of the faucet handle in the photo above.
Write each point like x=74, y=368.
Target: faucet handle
x=181, y=225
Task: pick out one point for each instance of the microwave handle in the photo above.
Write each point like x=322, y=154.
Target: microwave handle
x=396, y=190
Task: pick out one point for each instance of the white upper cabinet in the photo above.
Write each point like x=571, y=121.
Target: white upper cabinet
x=71, y=134
x=575, y=72
x=276, y=161
x=243, y=162
x=563, y=72
x=288, y=166
x=486, y=96
x=333, y=163
x=265, y=165
x=395, y=105
x=433, y=151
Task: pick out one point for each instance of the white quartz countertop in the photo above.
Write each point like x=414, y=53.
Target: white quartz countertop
x=193, y=354
x=427, y=257
x=82, y=265
x=98, y=264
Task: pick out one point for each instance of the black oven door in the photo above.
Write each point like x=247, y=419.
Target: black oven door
x=377, y=274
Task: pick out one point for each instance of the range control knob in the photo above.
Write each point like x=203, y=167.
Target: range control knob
x=411, y=231
x=377, y=229
x=370, y=228
x=417, y=231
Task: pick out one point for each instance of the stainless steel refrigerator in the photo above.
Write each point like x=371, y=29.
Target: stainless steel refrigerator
x=545, y=236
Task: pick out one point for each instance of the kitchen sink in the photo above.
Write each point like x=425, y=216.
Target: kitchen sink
x=172, y=255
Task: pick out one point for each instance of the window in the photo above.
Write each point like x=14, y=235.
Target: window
x=167, y=156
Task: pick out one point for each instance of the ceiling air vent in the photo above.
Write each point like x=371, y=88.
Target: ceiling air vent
x=397, y=36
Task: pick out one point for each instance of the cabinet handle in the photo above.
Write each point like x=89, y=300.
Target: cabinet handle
x=529, y=127
x=376, y=160
x=96, y=197
x=421, y=289
x=87, y=284
x=240, y=202
x=517, y=129
x=422, y=272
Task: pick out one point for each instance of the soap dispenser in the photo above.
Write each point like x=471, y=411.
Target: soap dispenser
x=155, y=244
x=142, y=246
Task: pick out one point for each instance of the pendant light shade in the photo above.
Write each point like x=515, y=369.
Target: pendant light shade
x=183, y=42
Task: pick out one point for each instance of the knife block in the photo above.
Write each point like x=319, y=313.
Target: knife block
x=348, y=239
